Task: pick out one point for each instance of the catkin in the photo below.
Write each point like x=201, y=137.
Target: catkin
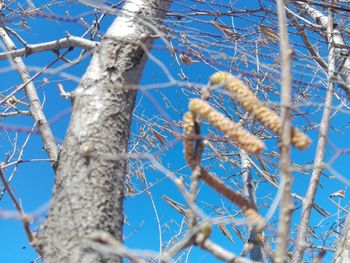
x=252, y=215
x=250, y=212
x=188, y=126
x=256, y=108
x=234, y=131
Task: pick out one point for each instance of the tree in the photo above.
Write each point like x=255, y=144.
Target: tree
x=281, y=67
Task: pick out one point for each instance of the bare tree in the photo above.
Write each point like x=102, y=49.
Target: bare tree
x=91, y=168
x=257, y=92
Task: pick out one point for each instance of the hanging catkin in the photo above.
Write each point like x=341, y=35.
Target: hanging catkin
x=249, y=210
x=189, y=132
x=252, y=215
x=256, y=108
x=234, y=131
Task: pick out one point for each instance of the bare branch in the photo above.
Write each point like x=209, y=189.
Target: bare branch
x=285, y=172
x=321, y=149
x=67, y=42
x=35, y=106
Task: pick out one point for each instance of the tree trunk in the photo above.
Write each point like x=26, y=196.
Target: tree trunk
x=88, y=192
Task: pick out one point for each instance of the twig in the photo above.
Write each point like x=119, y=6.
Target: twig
x=20, y=154
x=316, y=56
x=337, y=205
x=156, y=214
x=24, y=218
x=286, y=73
x=24, y=84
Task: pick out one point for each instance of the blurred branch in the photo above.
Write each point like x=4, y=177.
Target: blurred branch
x=286, y=203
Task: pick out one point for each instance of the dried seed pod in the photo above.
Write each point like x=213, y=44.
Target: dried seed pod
x=189, y=131
x=185, y=59
x=256, y=108
x=270, y=35
x=234, y=131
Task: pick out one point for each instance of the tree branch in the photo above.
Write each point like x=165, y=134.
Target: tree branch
x=320, y=151
x=285, y=172
x=67, y=42
x=34, y=102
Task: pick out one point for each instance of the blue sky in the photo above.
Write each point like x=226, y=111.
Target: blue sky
x=33, y=181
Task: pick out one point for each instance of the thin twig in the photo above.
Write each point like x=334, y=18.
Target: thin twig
x=19, y=159
x=24, y=218
x=156, y=214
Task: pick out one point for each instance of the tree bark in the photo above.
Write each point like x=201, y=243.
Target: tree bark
x=88, y=192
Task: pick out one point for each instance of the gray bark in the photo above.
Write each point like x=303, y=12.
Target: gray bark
x=88, y=192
